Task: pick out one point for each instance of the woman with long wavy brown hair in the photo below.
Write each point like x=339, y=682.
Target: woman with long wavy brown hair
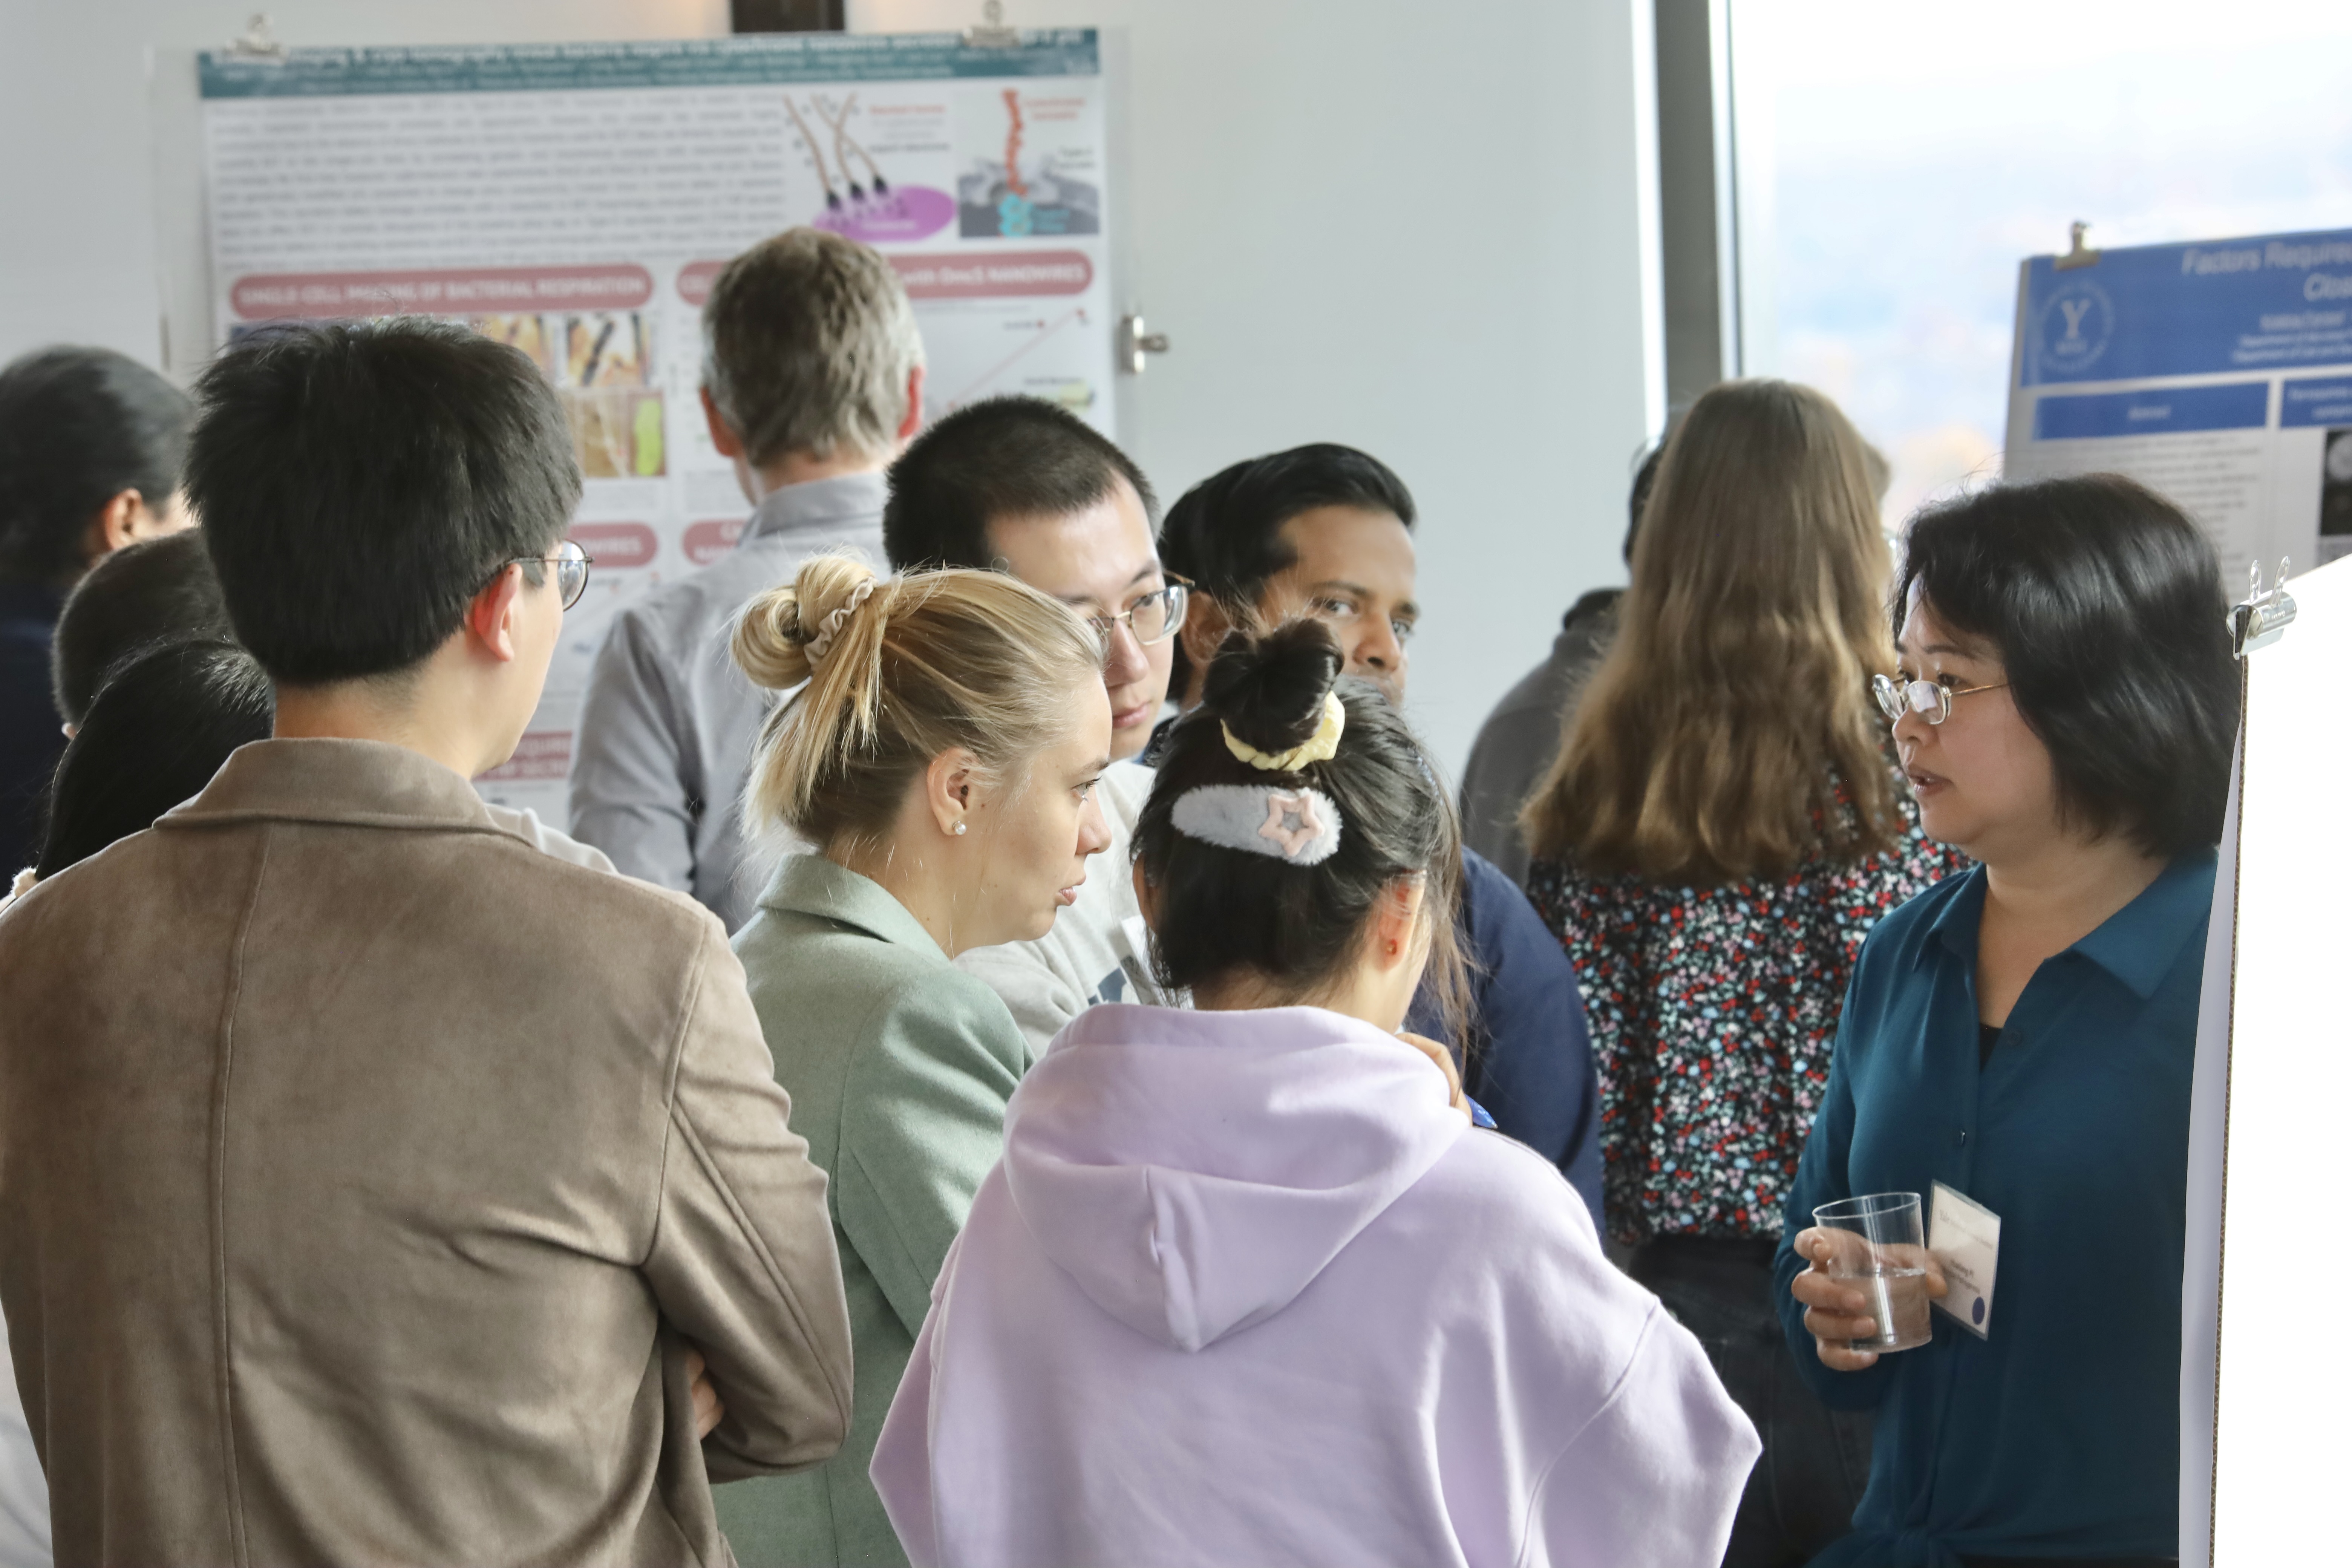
x=1722, y=827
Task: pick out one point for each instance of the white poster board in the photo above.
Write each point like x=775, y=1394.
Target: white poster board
x=2263, y=1390
x=2218, y=373
x=576, y=199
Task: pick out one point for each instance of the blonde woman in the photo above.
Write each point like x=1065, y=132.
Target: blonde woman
x=1722, y=827
x=943, y=753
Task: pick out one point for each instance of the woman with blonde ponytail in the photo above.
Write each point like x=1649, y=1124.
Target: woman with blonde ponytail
x=941, y=752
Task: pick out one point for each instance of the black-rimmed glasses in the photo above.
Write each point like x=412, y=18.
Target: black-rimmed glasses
x=571, y=563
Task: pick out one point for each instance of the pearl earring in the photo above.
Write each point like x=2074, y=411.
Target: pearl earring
x=959, y=829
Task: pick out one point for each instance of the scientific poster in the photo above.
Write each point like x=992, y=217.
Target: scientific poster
x=576, y=200
x=2219, y=374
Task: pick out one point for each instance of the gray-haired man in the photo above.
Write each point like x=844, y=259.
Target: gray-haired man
x=812, y=381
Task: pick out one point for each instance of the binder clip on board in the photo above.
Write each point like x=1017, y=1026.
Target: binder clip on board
x=2077, y=253
x=2260, y=618
x=259, y=42
x=991, y=33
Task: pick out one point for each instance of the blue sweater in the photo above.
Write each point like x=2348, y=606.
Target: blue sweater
x=2058, y=1435
x=1530, y=1061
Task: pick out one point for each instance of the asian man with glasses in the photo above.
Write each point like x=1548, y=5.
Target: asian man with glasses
x=1023, y=486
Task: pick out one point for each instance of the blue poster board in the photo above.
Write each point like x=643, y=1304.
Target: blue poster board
x=2218, y=373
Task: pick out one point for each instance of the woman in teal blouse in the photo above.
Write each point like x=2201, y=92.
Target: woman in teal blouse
x=2024, y=1034
x=943, y=754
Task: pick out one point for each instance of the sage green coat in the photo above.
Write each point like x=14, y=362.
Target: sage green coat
x=899, y=1065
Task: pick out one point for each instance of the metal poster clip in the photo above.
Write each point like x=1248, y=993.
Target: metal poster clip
x=259, y=42
x=1134, y=343
x=2260, y=618
x=2077, y=253
x=991, y=33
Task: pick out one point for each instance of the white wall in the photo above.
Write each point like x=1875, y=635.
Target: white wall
x=78, y=260
x=1425, y=231
x=1428, y=233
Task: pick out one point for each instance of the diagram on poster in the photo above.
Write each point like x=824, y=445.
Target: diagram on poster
x=576, y=200
x=2219, y=374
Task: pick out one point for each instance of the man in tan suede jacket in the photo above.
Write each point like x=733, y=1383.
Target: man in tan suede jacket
x=374, y=1188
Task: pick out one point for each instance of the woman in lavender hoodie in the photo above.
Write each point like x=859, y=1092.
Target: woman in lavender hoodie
x=1247, y=1286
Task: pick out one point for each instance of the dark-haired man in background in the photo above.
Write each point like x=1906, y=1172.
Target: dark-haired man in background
x=90, y=445
x=397, y=1178
x=812, y=381
x=1326, y=531
x=1023, y=486
x=1520, y=737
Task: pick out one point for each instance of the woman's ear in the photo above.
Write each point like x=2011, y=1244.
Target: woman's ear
x=1397, y=933
x=951, y=791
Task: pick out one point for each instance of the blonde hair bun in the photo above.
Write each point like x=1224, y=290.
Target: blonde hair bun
x=771, y=640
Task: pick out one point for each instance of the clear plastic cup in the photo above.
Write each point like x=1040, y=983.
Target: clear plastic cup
x=1878, y=1245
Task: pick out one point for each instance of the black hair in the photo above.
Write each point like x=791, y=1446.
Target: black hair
x=360, y=482
x=157, y=591
x=78, y=427
x=1220, y=911
x=1225, y=533
x=1001, y=457
x=159, y=729
x=1645, y=480
x=2105, y=605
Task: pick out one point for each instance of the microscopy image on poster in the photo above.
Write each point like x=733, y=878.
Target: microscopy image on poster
x=1030, y=164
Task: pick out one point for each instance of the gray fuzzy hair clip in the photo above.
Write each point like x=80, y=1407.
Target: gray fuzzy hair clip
x=1300, y=826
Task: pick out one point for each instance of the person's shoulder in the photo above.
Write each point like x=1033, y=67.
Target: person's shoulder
x=812, y=965
x=525, y=824
x=1494, y=1216
x=676, y=616
x=605, y=910
x=1903, y=929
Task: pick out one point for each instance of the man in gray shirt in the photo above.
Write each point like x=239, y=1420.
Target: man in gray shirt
x=1516, y=743
x=812, y=381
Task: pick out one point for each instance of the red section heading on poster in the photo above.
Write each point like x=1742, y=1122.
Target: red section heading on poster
x=283, y=296
x=1015, y=275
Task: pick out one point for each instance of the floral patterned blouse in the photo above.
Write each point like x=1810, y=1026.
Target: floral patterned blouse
x=1712, y=1012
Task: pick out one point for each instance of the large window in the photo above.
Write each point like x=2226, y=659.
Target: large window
x=1901, y=159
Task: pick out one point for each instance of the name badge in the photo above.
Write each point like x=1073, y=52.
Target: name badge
x=1965, y=1237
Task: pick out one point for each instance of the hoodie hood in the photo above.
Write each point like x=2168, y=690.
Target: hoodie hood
x=1194, y=1171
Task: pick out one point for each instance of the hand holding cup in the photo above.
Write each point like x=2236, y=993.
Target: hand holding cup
x=1852, y=1282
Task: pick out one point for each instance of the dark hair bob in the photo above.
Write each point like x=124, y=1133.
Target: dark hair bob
x=156, y=733
x=1220, y=911
x=2104, y=604
x=79, y=427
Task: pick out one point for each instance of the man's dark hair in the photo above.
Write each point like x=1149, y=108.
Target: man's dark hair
x=2105, y=605
x=158, y=733
x=360, y=482
x=78, y=427
x=1003, y=458
x=1225, y=533
x=157, y=591
x=1645, y=480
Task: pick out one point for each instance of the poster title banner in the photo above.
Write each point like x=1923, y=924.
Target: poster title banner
x=2272, y=302
x=785, y=58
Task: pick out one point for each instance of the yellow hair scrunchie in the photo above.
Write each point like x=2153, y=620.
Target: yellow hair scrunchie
x=1319, y=747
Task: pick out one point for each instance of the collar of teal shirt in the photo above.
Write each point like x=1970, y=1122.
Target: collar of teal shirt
x=812, y=885
x=2139, y=944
